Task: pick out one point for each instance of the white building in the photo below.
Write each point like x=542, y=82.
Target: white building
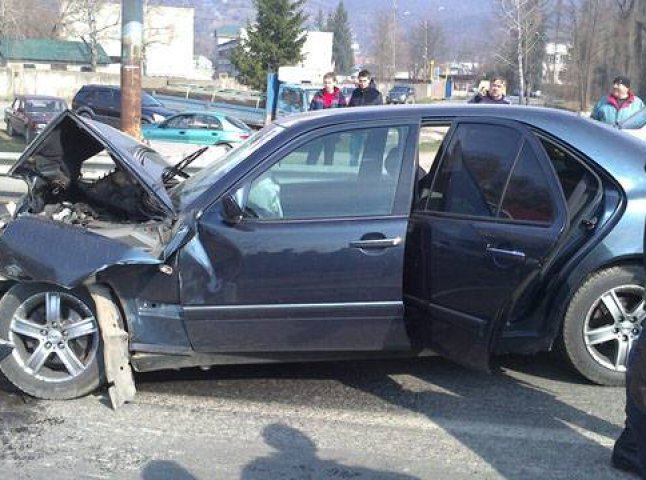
x=168, y=38
x=557, y=58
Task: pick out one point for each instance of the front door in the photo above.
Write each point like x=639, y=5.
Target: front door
x=487, y=218
x=316, y=264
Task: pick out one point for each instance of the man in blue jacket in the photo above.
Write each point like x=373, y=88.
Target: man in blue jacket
x=619, y=105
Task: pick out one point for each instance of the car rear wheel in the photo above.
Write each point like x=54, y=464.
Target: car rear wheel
x=226, y=146
x=602, y=322
x=86, y=114
x=57, y=351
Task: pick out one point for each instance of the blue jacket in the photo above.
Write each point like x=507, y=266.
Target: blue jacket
x=607, y=109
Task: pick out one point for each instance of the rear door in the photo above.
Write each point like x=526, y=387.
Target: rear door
x=485, y=220
x=205, y=130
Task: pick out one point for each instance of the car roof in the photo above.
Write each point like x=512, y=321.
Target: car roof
x=40, y=97
x=621, y=154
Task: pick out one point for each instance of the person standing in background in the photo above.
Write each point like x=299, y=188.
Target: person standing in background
x=620, y=104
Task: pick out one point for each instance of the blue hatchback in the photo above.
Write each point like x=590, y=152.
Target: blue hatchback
x=198, y=128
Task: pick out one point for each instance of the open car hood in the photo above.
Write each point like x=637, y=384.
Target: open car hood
x=57, y=154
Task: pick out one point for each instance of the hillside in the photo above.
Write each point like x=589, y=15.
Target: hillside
x=466, y=23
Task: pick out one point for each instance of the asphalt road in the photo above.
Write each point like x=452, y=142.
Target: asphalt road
x=425, y=418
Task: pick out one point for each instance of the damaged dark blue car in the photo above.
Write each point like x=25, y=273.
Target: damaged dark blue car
x=359, y=233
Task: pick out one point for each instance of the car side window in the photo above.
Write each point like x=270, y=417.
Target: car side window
x=474, y=170
x=206, y=122
x=579, y=184
x=180, y=121
x=527, y=197
x=344, y=174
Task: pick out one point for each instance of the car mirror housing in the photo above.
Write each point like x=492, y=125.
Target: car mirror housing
x=232, y=213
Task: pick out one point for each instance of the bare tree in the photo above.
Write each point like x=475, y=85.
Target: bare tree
x=523, y=20
x=425, y=40
x=382, y=44
x=89, y=20
x=11, y=14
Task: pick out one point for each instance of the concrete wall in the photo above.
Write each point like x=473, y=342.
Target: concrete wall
x=19, y=81
x=49, y=82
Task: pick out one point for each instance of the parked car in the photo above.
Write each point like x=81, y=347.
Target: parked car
x=29, y=114
x=526, y=234
x=401, y=94
x=200, y=128
x=103, y=103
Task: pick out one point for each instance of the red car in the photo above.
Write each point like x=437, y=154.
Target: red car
x=29, y=114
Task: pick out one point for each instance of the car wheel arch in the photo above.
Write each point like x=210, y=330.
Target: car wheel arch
x=576, y=296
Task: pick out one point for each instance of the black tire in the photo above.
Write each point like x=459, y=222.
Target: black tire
x=227, y=146
x=46, y=363
x=603, y=319
x=86, y=114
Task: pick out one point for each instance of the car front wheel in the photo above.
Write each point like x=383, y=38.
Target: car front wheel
x=602, y=322
x=57, y=351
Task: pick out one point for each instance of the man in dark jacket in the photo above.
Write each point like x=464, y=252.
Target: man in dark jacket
x=365, y=94
x=629, y=453
x=494, y=95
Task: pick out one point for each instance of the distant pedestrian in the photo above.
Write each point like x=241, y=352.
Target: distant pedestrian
x=629, y=453
x=330, y=96
x=494, y=95
x=365, y=94
x=620, y=104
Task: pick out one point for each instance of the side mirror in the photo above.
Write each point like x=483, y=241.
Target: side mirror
x=232, y=213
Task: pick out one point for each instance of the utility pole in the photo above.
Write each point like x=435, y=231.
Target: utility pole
x=425, y=50
x=394, y=39
x=132, y=35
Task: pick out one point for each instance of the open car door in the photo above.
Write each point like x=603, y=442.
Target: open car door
x=486, y=219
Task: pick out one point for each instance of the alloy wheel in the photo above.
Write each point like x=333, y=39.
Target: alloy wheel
x=613, y=324
x=56, y=336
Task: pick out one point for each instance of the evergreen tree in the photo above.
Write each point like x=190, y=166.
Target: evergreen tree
x=342, y=54
x=275, y=39
x=319, y=23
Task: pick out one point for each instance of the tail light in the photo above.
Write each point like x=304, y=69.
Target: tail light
x=243, y=136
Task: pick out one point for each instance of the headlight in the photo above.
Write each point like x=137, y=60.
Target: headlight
x=158, y=118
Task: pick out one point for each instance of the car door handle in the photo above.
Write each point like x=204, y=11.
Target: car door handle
x=181, y=132
x=510, y=253
x=376, y=243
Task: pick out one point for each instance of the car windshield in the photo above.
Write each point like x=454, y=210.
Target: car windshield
x=399, y=89
x=189, y=190
x=149, y=101
x=44, y=106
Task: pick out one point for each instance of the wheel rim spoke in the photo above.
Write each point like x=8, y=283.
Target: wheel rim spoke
x=622, y=353
x=601, y=335
x=38, y=358
x=81, y=328
x=614, y=306
x=53, y=307
x=27, y=328
x=72, y=363
x=639, y=312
